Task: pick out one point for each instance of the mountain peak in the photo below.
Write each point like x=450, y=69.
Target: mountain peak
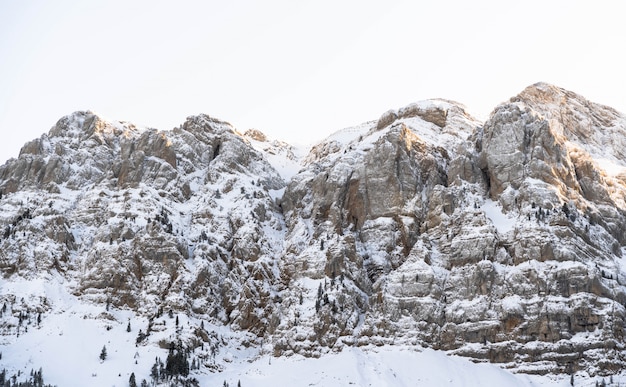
x=203, y=122
x=542, y=91
x=598, y=129
x=256, y=134
x=434, y=111
x=84, y=124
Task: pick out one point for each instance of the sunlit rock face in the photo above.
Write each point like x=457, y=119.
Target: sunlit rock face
x=500, y=240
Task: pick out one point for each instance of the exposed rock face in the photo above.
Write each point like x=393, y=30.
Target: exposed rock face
x=407, y=223
x=501, y=241
x=145, y=219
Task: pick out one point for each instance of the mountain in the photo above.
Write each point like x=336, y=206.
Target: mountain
x=499, y=241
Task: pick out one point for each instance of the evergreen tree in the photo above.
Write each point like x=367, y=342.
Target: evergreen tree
x=565, y=209
x=176, y=363
x=103, y=353
x=161, y=370
x=38, y=378
x=132, y=382
x=140, y=337
x=128, y=327
x=154, y=372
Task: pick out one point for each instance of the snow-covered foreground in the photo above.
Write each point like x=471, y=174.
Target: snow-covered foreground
x=68, y=342
x=68, y=351
x=383, y=366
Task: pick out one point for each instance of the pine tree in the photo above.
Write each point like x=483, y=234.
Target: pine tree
x=132, y=382
x=161, y=370
x=128, y=327
x=38, y=378
x=176, y=363
x=565, y=209
x=154, y=372
x=103, y=353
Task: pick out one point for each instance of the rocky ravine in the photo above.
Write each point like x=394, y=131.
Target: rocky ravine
x=502, y=241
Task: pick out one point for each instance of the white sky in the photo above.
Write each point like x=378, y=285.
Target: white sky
x=297, y=70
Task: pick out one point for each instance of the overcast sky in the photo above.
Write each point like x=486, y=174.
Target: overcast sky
x=297, y=70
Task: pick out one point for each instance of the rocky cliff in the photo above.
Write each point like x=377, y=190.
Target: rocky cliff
x=501, y=240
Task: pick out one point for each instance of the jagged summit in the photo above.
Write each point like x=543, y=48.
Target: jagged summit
x=598, y=129
x=82, y=125
x=560, y=138
x=256, y=134
x=434, y=111
x=545, y=96
x=502, y=240
x=437, y=123
x=204, y=122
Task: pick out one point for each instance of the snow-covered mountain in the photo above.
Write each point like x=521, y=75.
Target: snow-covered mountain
x=232, y=257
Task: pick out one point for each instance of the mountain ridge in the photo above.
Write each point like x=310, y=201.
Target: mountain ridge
x=500, y=240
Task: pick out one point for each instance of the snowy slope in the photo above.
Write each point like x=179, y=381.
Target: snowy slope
x=67, y=344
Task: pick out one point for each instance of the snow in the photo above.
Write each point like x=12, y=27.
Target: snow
x=348, y=135
x=74, y=331
x=501, y=222
x=513, y=304
x=612, y=168
x=284, y=158
x=71, y=330
x=384, y=366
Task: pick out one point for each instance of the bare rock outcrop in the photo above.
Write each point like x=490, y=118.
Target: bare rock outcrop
x=490, y=242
